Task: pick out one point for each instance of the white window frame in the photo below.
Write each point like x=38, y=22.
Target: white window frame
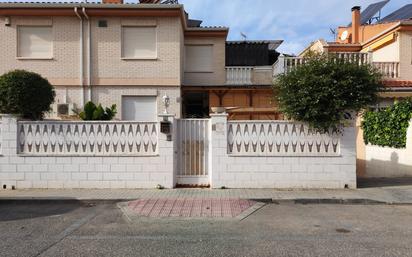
x=18, y=43
x=138, y=58
x=199, y=71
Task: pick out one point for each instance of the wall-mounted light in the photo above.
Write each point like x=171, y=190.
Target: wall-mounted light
x=7, y=21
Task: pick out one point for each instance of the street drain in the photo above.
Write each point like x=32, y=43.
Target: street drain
x=342, y=230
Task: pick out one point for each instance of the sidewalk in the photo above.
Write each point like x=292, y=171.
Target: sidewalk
x=388, y=195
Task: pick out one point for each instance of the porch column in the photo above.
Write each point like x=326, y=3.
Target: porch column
x=218, y=147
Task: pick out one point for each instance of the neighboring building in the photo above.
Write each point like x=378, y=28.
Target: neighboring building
x=132, y=55
x=246, y=90
x=388, y=42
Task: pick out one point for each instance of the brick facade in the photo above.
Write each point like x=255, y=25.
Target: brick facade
x=111, y=76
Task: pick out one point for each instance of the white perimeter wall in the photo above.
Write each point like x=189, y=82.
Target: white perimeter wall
x=80, y=171
x=280, y=172
x=34, y=170
x=389, y=162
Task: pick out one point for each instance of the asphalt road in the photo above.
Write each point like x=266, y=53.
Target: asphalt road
x=76, y=229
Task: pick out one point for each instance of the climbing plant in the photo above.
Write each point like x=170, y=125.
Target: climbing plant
x=388, y=127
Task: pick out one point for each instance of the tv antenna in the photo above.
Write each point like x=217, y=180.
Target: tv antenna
x=333, y=32
x=244, y=36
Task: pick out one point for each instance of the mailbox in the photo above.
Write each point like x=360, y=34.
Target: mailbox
x=166, y=127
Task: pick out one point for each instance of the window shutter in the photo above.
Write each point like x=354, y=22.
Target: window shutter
x=139, y=108
x=139, y=42
x=199, y=58
x=35, y=42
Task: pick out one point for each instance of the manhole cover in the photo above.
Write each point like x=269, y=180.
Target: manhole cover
x=208, y=208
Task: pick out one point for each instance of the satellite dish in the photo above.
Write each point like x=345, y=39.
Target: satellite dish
x=344, y=35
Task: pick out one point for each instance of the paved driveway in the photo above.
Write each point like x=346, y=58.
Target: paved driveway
x=74, y=229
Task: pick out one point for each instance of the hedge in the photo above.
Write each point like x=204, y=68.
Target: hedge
x=25, y=93
x=388, y=127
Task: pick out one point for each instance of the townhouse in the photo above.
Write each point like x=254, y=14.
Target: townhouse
x=132, y=55
x=136, y=56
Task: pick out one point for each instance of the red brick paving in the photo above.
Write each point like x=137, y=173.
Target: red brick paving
x=208, y=208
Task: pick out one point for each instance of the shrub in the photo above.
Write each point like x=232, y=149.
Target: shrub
x=323, y=90
x=93, y=112
x=388, y=127
x=26, y=94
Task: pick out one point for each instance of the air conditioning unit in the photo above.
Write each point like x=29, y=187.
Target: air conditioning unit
x=63, y=109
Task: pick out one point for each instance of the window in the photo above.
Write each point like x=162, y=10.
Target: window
x=199, y=58
x=34, y=42
x=139, y=108
x=139, y=43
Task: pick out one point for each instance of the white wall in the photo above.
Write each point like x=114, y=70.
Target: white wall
x=389, y=162
x=406, y=55
x=83, y=170
x=277, y=171
x=389, y=53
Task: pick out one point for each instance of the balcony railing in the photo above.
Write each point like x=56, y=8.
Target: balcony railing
x=388, y=69
x=239, y=75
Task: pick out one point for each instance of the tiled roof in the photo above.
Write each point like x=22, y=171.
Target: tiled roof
x=398, y=83
x=82, y=3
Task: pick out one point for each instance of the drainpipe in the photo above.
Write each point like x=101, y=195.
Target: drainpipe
x=89, y=63
x=81, y=71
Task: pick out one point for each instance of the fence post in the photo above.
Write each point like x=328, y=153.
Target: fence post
x=279, y=66
x=409, y=139
x=218, y=147
x=166, y=146
x=8, y=149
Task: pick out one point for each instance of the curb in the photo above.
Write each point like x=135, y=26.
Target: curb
x=57, y=201
x=355, y=201
x=302, y=201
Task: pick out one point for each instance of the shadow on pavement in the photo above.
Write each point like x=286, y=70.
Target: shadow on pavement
x=384, y=182
x=30, y=209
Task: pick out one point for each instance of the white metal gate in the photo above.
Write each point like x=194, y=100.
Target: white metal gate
x=192, y=145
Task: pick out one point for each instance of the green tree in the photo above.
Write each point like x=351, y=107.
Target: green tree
x=25, y=93
x=323, y=90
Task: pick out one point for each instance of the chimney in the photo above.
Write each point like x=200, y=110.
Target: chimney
x=356, y=19
x=112, y=1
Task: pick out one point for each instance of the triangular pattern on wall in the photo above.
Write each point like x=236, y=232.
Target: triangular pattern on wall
x=90, y=138
x=280, y=138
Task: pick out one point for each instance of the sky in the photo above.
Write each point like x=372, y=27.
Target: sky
x=297, y=22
